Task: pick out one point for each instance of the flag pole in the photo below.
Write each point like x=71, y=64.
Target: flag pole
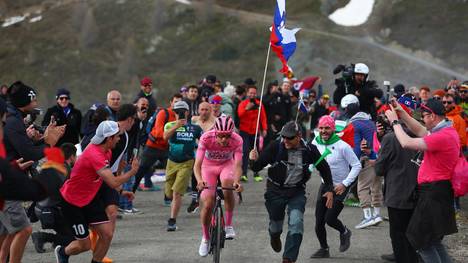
x=298, y=106
x=261, y=95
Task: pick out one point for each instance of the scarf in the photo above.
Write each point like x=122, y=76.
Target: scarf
x=333, y=139
x=443, y=124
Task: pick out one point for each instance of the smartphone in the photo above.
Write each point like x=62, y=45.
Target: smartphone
x=135, y=152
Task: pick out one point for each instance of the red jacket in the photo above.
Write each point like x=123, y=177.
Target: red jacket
x=248, y=118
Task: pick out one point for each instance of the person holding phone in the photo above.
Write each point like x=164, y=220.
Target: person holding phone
x=182, y=137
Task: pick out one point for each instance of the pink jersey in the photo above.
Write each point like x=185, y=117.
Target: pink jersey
x=210, y=150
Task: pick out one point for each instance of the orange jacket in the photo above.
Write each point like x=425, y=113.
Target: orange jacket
x=248, y=118
x=458, y=123
x=155, y=138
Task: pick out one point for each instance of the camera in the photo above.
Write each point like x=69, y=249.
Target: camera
x=40, y=129
x=180, y=113
x=254, y=102
x=346, y=71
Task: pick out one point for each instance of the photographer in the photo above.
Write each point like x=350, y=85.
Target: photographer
x=248, y=113
x=355, y=81
x=395, y=164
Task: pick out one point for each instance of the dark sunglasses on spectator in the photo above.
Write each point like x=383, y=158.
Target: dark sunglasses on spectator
x=447, y=102
x=63, y=98
x=288, y=138
x=437, y=98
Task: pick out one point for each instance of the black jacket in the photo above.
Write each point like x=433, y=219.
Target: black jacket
x=367, y=92
x=394, y=163
x=276, y=154
x=434, y=215
x=279, y=105
x=72, y=120
x=17, y=143
x=193, y=106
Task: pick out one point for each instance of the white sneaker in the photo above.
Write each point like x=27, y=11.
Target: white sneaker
x=377, y=220
x=203, y=250
x=365, y=223
x=230, y=234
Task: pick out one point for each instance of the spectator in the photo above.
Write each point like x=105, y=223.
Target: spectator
x=113, y=103
x=248, y=113
x=435, y=194
x=424, y=94
x=240, y=96
x=99, y=114
x=464, y=97
x=215, y=102
x=4, y=92
x=454, y=113
x=396, y=165
x=399, y=90
x=183, y=91
x=438, y=94
x=65, y=113
x=193, y=100
x=275, y=108
x=146, y=91
x=288, y=174
x=319, y=109
x=207, y=87
x=156, y=148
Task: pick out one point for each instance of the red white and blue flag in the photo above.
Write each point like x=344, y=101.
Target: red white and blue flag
x=282, y=40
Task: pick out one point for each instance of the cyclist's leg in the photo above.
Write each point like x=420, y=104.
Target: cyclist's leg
x=227, y=180
x=210, y=175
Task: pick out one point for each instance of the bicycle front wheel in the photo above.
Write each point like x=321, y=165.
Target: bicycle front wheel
x=219, y=236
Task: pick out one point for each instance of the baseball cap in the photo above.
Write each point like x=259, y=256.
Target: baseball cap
x=290, y=129
x=433, y=106
x=146, y=81
x=210, y=79
x=104, y=130
x=249, y=82
x=215, y=99
x=181, y=105
x=408, y=102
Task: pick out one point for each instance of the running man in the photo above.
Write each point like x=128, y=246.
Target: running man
x=219, y=154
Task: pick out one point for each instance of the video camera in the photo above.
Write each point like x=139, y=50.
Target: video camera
x=346, y=71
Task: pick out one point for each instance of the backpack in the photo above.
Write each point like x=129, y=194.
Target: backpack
x=152, y=119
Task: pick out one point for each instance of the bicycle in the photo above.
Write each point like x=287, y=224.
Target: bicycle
x=216, y=230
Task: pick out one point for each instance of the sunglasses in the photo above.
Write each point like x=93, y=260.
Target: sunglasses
x=224, y=136
x=63, y=98
x=288, y=138
x=437, y=98
x=447, y=102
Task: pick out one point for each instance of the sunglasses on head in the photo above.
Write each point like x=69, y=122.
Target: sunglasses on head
x=288, y=138
x=63, y=98
x=447, y=102
x=427, y=109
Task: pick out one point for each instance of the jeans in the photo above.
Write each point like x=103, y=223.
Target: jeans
x=124, y=203
x=329, y=216
x=435, y=253
x=276, y=203
x=402, y=249
x=247, y=146
x=148, y=158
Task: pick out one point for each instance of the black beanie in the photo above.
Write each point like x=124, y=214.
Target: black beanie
x=21, y=95
x=62, y=91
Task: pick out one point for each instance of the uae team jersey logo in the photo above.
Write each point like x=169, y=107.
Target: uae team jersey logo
x=219, y=155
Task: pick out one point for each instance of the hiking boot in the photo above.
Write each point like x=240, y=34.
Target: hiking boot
x=60, y=255
x=230, y=234
x=275, y=242
x=388, y=257
x=345, y=240
x=193, y=207
x=38, y=242
x=366, y=222
x=321, y=253
x=244, y=178
x=171, y=225
x=258, y=178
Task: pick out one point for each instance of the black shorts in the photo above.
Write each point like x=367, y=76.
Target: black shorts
x=109, y=196
x=79, y=218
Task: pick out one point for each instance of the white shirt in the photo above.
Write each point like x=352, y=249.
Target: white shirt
x=342, y=156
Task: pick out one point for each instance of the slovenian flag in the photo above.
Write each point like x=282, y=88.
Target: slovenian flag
x=282, y=40
x=302, y=107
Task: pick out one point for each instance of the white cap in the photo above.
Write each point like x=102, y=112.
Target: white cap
x=348, y=99
x=181, y=105
x=104, y=130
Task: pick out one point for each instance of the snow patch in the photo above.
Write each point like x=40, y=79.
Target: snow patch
x=13, y=20
x=185, y=2
x=35, y=19
x=355, y=13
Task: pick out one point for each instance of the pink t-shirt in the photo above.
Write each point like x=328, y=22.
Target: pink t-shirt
x=210, y=150
x=440, y=158
x=84, y=182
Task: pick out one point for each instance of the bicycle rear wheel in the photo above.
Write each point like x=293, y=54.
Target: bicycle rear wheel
x=219, y=231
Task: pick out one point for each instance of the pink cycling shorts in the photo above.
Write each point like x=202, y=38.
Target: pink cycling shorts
x=211, y=171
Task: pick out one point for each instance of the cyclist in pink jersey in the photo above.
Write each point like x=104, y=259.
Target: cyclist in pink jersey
x=219, y=154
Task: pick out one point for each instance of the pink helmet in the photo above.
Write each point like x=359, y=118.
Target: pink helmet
x=224, y=124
